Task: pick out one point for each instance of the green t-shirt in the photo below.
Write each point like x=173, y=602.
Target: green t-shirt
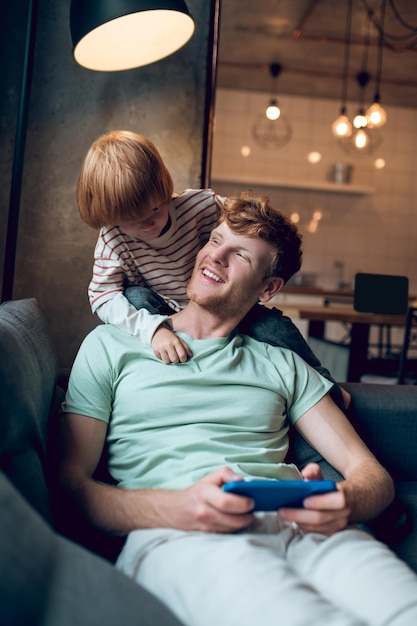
x=170, y=425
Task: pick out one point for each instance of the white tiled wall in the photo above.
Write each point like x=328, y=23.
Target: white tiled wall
x=368, y=233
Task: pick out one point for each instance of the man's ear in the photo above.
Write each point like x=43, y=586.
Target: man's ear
x=271, y=287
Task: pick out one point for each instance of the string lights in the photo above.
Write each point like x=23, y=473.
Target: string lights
x=360, y=136
x=342, y=126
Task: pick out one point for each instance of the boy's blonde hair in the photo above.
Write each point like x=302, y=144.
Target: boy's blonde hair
x=122, y=178
x=250, y=215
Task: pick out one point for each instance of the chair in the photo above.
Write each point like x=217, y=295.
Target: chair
x=333, y=352
x=387, y=294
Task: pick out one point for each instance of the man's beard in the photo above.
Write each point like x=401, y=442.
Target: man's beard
x=226, y=306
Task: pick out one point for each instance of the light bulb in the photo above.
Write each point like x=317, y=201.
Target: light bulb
x=314, y=157
x=379, y=163
x=376, y=115
x=342, y=127
x=360, y=121
x=273, y=111
x=360, y=139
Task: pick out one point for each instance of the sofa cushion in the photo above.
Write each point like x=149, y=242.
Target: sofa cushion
x=385, y=418
x=407, y=548
x=27, y=383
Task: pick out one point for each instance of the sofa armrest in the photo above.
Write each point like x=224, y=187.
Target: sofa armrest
x=49, y=580
x=28, y=369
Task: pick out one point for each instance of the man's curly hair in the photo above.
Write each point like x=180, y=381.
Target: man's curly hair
x=252, y=215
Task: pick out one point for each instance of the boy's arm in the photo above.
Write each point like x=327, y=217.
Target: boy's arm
x=137, y=322
x=107, y=300
x=149, y=328
x=367, y=488
x=112, y=307
x=168, y=347
x=203, y=506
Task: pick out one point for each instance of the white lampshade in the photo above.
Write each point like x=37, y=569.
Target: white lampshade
x=113, y=35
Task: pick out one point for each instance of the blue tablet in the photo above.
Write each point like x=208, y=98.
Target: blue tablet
x=270, y=495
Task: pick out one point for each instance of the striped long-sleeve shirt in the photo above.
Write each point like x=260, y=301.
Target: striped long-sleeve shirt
x=164, y=264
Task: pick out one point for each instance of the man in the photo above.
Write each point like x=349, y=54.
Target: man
x=175, y=434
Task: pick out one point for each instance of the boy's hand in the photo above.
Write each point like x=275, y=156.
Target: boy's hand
x=168, y=347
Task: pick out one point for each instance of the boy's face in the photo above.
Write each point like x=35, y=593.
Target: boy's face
x=149, y=228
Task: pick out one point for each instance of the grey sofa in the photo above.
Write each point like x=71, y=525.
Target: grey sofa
x=47, y=579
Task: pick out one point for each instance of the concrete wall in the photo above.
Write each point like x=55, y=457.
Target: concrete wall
x=69, y=107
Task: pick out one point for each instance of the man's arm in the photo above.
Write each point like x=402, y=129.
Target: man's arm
x=203, y=506
x=367, y=489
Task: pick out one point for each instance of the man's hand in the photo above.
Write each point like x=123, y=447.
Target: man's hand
x=327, y=513
x=168, y=347
x=207, y=508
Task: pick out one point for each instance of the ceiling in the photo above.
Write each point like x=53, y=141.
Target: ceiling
x=307, y=38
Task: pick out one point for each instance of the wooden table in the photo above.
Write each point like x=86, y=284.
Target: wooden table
x=359, y=331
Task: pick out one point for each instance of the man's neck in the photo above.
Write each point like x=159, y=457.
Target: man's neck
x=202, y=324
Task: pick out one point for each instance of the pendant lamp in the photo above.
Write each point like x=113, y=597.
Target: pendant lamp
x=114, y=35
x=342, y=127
x=376, y=114
x=273, y=111
x=272, y=129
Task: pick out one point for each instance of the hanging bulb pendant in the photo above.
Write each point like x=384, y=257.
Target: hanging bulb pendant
x=360, y=120
x=360, y=139
x=376, y=115
x=273, y=111
x=342, y=127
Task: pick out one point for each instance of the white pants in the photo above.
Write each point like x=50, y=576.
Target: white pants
x=273, y=574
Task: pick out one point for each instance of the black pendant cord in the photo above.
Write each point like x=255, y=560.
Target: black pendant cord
x=346, y=56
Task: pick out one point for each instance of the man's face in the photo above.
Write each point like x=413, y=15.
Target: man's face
x=229, y=273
